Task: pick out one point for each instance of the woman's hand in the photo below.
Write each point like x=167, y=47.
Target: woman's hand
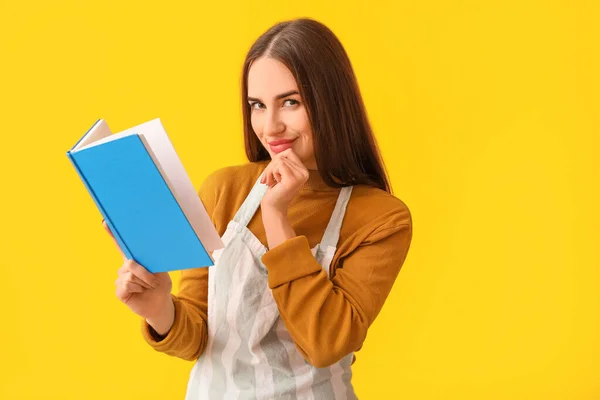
x=146, y=294
x=284, y=175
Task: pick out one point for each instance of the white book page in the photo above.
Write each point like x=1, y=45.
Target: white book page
x=168, y=162
x=99, y=131
x=110, y=137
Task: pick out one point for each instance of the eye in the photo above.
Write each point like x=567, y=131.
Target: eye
x=294, y=102
x=252, y=104
x=255, y=105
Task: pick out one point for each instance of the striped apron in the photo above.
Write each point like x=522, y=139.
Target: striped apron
x=250, y=353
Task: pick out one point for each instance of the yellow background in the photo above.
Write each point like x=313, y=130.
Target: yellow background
x=487, y=116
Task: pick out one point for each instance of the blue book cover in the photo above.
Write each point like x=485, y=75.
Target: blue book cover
x=139, y=206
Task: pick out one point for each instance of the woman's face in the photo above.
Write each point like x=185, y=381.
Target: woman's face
x=277, y=112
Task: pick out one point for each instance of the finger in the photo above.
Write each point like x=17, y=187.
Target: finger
x=298, y=176
x=278, y=171
x=269, y=174
x=262, y=178
x=122, y=294
x=130, y=277
x=269, y=177
x=143, y=273
x=293, y=168
x=125, y=282
x=129, y=286
x=125, y=290
x=286, y=170
x=132, y=287
x=265, y=174
x=293, y=157
x=294, y=161
x=277, y=176
x=105, y=225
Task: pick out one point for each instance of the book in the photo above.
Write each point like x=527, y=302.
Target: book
x=142, y=190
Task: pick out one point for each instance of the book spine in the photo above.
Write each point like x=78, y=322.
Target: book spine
x=113, y=229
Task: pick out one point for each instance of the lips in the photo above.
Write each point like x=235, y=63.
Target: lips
x=277, y=146
x=280, y=141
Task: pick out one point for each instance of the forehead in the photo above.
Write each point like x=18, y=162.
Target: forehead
x=268, y=77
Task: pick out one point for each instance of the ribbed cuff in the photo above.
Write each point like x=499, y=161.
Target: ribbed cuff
x=289, y=261
x=166, y=342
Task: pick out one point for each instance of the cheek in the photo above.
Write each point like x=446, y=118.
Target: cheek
x=302, y=125
x=306, y=151
x=308, y=148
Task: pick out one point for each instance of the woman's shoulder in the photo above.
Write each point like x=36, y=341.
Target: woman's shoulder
x=235, y=178
x=377, y=209
x=224, y=190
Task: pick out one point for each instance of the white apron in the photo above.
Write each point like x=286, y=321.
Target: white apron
x=250, y=353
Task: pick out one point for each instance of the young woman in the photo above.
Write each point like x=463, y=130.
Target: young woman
x=314, y=238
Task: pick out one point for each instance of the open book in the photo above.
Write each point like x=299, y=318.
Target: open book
x=143, y=192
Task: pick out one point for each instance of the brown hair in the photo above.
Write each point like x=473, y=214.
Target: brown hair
x=345, y=148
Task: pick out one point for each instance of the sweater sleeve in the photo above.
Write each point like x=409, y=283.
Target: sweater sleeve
x=189, y=334
x=328, y=319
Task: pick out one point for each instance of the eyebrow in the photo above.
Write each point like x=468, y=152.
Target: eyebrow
x=279, y=96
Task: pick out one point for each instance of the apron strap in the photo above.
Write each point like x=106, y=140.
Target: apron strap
x=251, y=203
x=332, y=233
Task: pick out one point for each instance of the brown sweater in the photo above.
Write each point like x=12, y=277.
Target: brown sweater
x=326, y=318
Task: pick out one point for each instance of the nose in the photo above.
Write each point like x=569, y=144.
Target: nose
x=273, y=124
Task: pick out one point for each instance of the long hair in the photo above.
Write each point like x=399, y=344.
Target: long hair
x=345, y=148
